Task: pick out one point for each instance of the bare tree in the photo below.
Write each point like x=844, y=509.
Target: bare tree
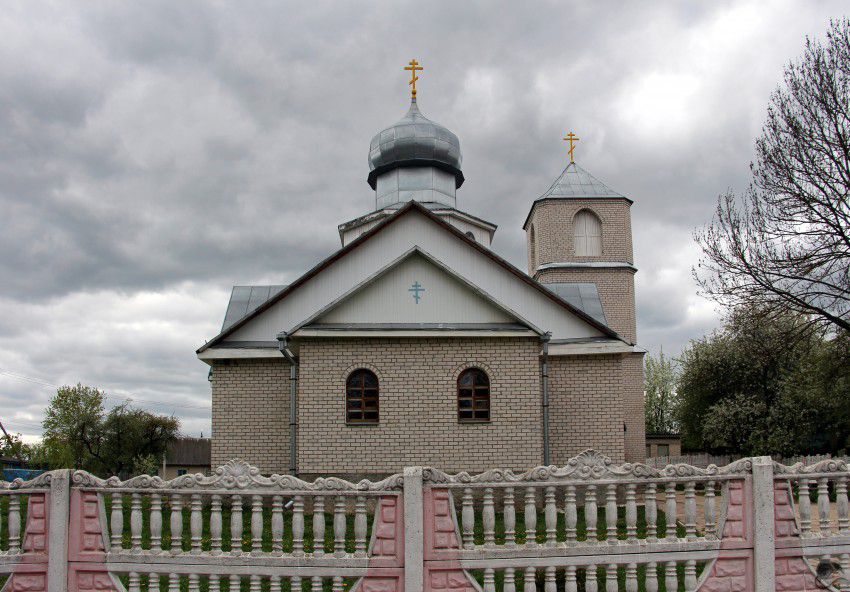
x=785, y=245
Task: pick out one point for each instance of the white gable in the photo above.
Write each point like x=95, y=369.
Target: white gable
x=410, y=231
x=392, y=298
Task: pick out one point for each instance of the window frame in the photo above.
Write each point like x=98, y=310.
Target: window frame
x=474, y=396
x=362, y=399
x=581, y=216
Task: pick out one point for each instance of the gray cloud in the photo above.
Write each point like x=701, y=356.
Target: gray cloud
x=153, y=154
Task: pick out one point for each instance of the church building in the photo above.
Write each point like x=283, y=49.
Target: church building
x=415, y=343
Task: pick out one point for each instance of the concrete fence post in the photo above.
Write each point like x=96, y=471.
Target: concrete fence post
x=59, y=517
x=414, y=531
x=764, y=539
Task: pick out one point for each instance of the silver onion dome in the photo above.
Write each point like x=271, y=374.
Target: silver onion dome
x=414, y=141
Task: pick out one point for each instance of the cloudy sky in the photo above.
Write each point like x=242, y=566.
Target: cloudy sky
x=152, y=154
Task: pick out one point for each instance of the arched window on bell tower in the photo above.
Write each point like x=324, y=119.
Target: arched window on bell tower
x=587, y=234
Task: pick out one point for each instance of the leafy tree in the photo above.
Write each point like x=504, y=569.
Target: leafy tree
x=785, y=246
x=79, y=433
x=12, y=446
x=766, y=384
x=660, y=400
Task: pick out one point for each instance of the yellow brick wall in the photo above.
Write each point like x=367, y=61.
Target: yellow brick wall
x=418, y=405
x=616, y=289
x=553, y=230
x=250, y=413
x=632, y=365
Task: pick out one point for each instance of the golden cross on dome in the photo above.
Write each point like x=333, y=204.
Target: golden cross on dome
x=413, y=68
x=572, y=139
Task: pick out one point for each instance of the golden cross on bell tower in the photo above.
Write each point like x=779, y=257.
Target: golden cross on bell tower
x=413, y=68
x=572, y=139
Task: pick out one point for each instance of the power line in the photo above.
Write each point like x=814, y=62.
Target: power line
x=131, y=398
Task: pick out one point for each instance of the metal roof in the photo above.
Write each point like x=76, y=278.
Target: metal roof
x=245, y=300
x=583, y=296
x=189, y=451
x=577, y=182
x=414, y=140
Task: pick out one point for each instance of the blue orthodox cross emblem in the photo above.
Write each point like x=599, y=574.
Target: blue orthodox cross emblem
x=416, y=289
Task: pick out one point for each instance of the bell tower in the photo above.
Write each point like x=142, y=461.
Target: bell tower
x=579, y=242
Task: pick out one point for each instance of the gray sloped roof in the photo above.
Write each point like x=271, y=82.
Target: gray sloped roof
x=245, y=300
x=189, y=451
x=584, y=296
x=577, y=182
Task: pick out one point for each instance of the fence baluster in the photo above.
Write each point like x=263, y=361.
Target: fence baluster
x=611, y=578
x=823, y=506
x=651, y=580
x=116, y=523
x=256, y=524
x=467, y=516
x=591, y=581
x=805, y=503
x=234, y=583
x=194, y=582
x=551, y=514
x=156, y=523
x=570, y=583
x=235, y=524
x=255, y=584
x=841, y=507
x=136, y=522
x=488, y=518
x=710, y=511
x=277, y=527
x=690, y=511
x=671, y=580
x=336, y=585
x=510, y=580
x=529, y=580
x=14, y=521
x=195, y=525
x=339, y=526
x=215, y=524
x=295, y=584
x=274, y=584
x=298, y=525
x=844, y=560
x=549, y=584
x=631, y=578
x=318, y=525
x=214, y=583
x=360, y=526
x=631, y=512
x=489, y=580
x=509, y=515
x=570, y=514
x=317, y=584
x=173, y=582
x=650, y=501
x=590, y=513
x=611, y=514
x=690, y=574
x=530, y=516
x=176, y=524
x=670, y=510
x=134, y=584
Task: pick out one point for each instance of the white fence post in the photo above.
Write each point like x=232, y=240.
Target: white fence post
x=60, y=506
x=414, y=534
x=764, y=547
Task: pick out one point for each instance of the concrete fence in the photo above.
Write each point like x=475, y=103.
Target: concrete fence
x=590, y=525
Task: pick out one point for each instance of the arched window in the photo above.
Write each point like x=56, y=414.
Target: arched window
x=470, y=235
x=473, y=395
x=588, y=234
x=361, y=397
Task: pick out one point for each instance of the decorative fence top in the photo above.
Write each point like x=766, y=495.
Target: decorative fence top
x=237, y=475
x=587, y=466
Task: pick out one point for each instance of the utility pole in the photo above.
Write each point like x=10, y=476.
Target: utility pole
x=11, y=442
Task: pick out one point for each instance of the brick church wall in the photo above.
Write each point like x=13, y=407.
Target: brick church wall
x=633, y=408
x=250, y=413
x=587, y=408
x=418, y=405
x=616, y=291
